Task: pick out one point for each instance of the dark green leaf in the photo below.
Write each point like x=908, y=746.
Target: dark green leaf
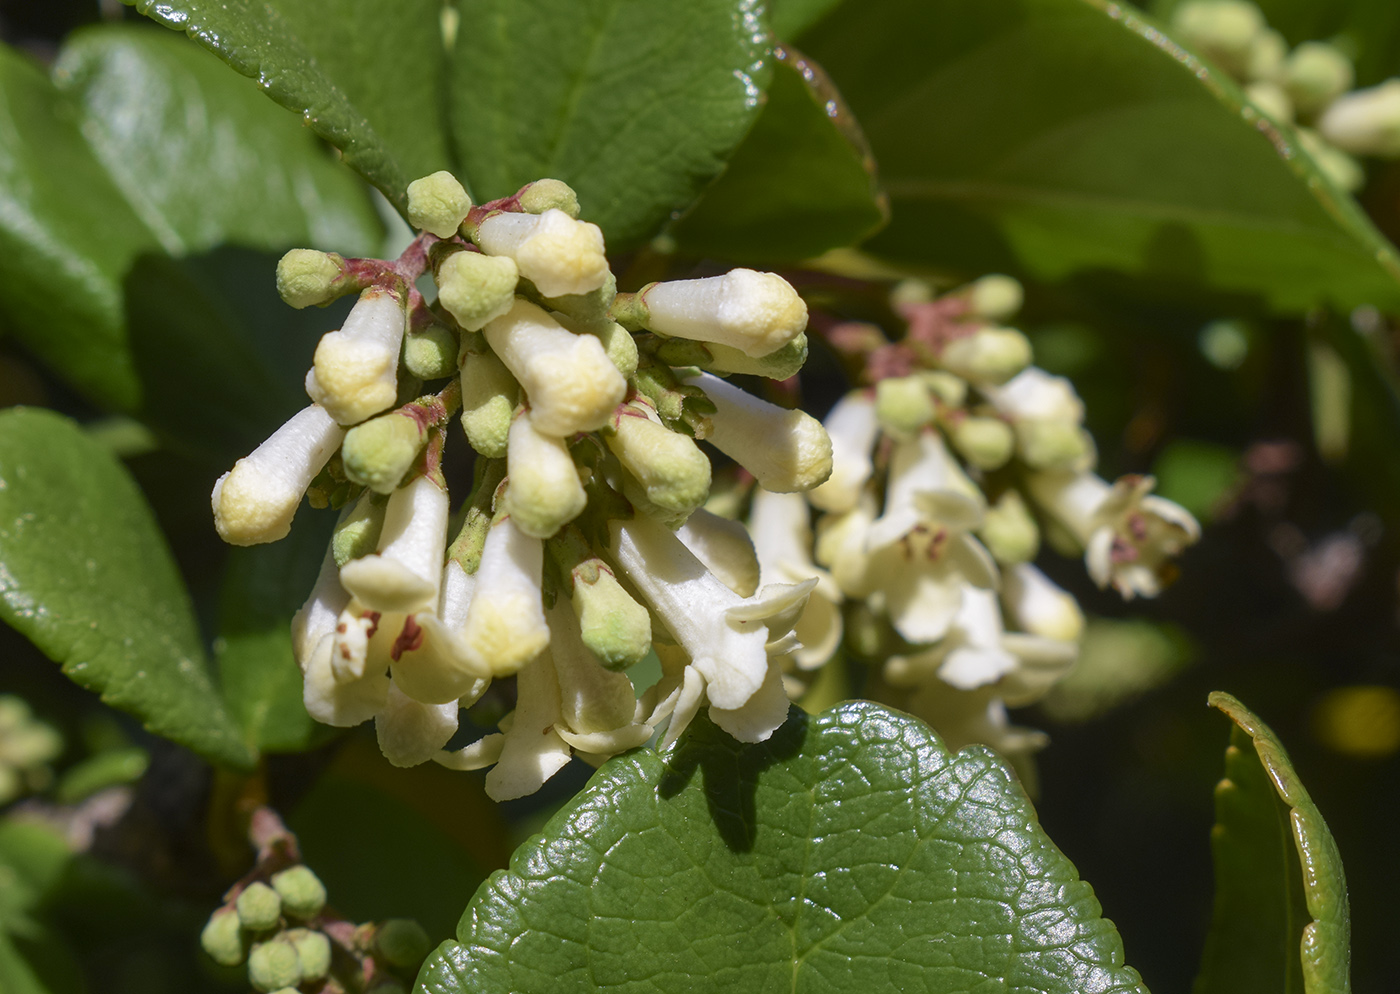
x=1058, y=138
x=791, y=17
x=850, y=852
x=635, y=103
x=1281, y=921
x=263, y=588
x=86, y=576
x=802, y=181
x=364, y=75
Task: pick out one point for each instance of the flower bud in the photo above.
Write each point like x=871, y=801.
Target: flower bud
x=306, y=277
x=357, y=534
x=256, y=500
x=589, y=310
x=223, y=938
x=437, y=204
x=476, y=288
x=756, y=313
x=1266, y=55
x=1315, y=75
x=430, y=354
x=302, y=893
x=989, y=355
x=672, y=470
x=505, y=624
x=274, y=965
x=1223, y=30
x=549, y=194
x=489, y=395
x=403, y=576
x=1037, y=606
x=552, y=250
x=853, y=428
x=950, y=390
x=786, y=451
x=1009, y=531
x=1051, y=444
x=571, y=383
x=402, y=942
x=592, y=698
x=313, y=952
x=1335, y=164
x=378, y=452
x=355, y=372
x=994, y=297
x=544, y=492
x=259, y=908
x=613, y=625
x=986, y=443
x=903, y=405
x=1271, y=99
x=1365, y=122
x=778, y=365
x=620, y=347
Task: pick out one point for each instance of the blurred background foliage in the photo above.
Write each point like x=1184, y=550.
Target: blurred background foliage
x=1279, y=433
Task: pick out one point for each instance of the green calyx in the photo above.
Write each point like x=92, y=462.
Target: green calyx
x=437, y=204
x=274, y=965
x=259, y=908
x=550, y=194
x=303, y=895
x=379, y=452
x=431, y=353
x=306, y=277
x=476, y=288
x=223, y=938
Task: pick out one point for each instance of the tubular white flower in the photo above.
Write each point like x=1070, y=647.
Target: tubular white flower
x=403, y=576
x=725, y=548
x=340, y=703
x=853, y=429
x=355, y=372
x=1038, y=606
x=922, y=583
x=544, y=492
x=320, y=614
x=762, y=714
x=972, y=654
x=927, y=489
x=842, y=547
x=726, y=636
x=437, y=667
x=782, y=537
x=256, y=500
x=756, y=313
x=410, y=732
x=489, y=393
x=1130, y=537
x=532, y=750
x=1035, y=394
x=505, y=626
x=1365, y=122
x=597, y=707
x=552, y=250
x=572, y=384
x=786, y=451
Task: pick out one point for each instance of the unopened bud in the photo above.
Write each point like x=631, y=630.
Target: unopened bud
x=437, y=204
x=274, y=965
x=378, y=453
x=988, y=355
x=355, y=372
x=1266, y=55
x=544, y=492
x=1009, y=532
x=1271, y=99
x=259, y=908
x=552, y=250
x=1038, y=606
x=1224, y=30
x=1315, y=75
x=994, y=297
x=489, y=395
x=313, y=952
x=223, y=938
x=987, y=443
x=589, y=310
x=778, y=365
x=505, y=623
x=911, y=293
x=786, y=451
x=1335, y=164
x=1051, y=444
x=950, y=390
x=430, y=354
x=303, y=895
x=306, y=277
x=358, y=534
x=620, y=346
x=673, y=472
x=1365, y=122
x=402, y=942
x=756, y=313
x=615, y=627
x=476, y=288
x=549, y=194
x=903, y=405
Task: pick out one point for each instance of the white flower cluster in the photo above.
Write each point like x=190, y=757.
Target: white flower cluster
x=1309, y=87
x=927, y=526
x=582, y=544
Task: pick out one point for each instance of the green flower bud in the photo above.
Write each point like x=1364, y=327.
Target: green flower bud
x=430, y=354
x=903, y=405
x=357, y=535
x=779, y=365
x=987, y=443
x=590, y=309
x=1266, y=55
x=313, y=952
x=989, y=355
x=1336, y=165
x=1009, y=531
x=402, y=942
x=911, y=293
x=550, y=194
x=488, y=399
x=259, y=908
x=274, y=965
x=1315, y=75
x=1223, y=30
x=620, y=346
x=223, y=938
x=306, y=277
x=1050, y=444
x=379, y=452
x=1271, y=99
x=476, y=288
x=949, y=389
x=615, y=627
x=303, y=895
x=673, y=472
x=437, y=204
x=994, y=297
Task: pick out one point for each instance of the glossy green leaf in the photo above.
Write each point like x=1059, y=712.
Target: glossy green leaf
x=635, y=103
x=1281, y=922
x=85, y=575
x=802, y=181
x=1064, y=138
x=263, y=587
x=850, y=852
x=364, y=75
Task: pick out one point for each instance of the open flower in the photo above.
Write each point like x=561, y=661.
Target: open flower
x=782, y=538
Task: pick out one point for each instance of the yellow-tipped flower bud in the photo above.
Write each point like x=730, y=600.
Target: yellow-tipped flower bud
x=306, y=277
x=1223, y=30
x=549, y=194
x=672, y=470
x=378, y=453
x=544, y=492
x=437, y=204
x=557, y=253
x=430, y=354
x=303, y=895
x=786, y=451
x=989, y=355
x=489, y=396
x=994, y=297
x=259, y=908
x=505, y=625
x=1009, y=531
x=355, y=372
x=223, y=938
x=313, y=952
x=987, y=443
x=1315, y=75
x=1365, y=122
x=903, y=405
x=476, y=288
x=756, y=313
